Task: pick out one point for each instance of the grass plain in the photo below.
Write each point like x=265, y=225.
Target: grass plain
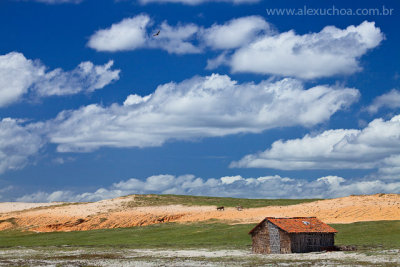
x=210, y=235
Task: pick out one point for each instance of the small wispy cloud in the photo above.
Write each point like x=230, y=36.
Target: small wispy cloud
x=20, y=76
x=390, y=100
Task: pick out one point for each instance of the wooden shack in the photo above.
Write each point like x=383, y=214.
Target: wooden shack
x=292, y=235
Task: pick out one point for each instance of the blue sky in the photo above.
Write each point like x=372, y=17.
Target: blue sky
x=227, y=100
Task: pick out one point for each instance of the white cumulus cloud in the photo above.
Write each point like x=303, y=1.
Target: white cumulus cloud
x=176, y=39
x=235, y=186
x=199, y=107
x=87, y=77
x=19, y=76
x=133, y=33
x=389, y=100
x=127, y=34
x=375, y=146
x=221, y=59
x=249, y=45
x=18, y=143
x=234, y=33
x=332, y=51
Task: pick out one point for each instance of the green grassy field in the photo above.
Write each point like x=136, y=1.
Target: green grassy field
x=160, y=235
x=157, y=200
x=210, y=235
x=384, y=234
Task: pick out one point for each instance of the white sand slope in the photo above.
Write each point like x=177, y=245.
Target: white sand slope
x=18, y=206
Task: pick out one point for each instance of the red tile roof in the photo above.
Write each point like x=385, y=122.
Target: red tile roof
x=299, y=225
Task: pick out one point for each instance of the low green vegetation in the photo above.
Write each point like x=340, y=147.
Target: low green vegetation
x=169, y=235
x=210, y=235
x=385, y=234
x=158, y=200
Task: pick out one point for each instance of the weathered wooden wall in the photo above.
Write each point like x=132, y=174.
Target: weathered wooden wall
x=261, y=240
x=291, y=243
x=285, y=242
x=268, y=238
x=309, y=242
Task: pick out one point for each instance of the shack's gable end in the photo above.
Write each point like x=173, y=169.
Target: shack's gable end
x=257, y=228
x=261, y=237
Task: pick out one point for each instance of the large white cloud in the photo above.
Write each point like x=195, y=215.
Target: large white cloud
x=18, y=143
x=19, y=76
x=199, y=107
x=197, y=2
x=134, y=33
x=229, y=186
x=249, y=45
x=375, y=146
x=389, y=100
x=332, y=51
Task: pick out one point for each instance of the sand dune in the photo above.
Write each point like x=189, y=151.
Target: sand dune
x=116, y=213
x=17, y=206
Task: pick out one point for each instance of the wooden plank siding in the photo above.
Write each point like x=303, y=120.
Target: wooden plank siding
x=286, y=246
x=261, y=240
x=310, y=242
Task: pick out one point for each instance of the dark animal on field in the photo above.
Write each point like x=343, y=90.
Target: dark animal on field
x=239, y=208
x=160, y=220
x=221, y=208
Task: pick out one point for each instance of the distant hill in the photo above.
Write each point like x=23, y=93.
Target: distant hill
x=140, y=210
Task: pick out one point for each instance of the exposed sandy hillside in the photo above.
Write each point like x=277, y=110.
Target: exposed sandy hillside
x=17, y=206
x=118, y=212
